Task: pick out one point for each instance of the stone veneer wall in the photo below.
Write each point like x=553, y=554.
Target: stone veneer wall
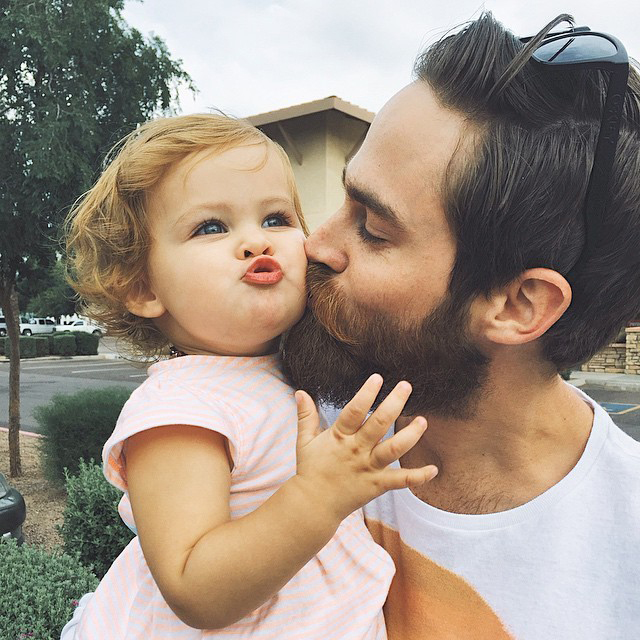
x=610, y=360
x=618, y=357
x=632, y=364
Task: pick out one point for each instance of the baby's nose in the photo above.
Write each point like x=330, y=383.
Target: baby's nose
x=257, y=245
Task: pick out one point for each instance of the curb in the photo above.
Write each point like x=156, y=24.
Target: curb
x=23, y=433
x=100, y=356
x=612, y=382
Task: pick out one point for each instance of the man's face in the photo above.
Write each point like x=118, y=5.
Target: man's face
x=381, y=303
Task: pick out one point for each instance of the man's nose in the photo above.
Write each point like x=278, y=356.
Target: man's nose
x=326, y=244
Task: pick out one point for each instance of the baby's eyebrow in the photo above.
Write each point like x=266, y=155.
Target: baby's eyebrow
x=372, y=202
x=222, y=208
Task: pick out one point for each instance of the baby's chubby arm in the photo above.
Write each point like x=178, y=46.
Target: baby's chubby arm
x=212, y=570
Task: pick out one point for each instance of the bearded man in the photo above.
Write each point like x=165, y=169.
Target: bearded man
x=490, y=239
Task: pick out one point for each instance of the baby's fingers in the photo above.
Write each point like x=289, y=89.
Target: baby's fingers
x=385, y=415
x=390, y=450
x=308, y=420
x=355, y=411
x=403, y=478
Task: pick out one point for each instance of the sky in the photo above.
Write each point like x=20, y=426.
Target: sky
x=251, y=56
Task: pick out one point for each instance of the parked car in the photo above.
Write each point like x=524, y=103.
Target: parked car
x=82, y=325
x=3, y=326
x=37, y=325
x=12, y=511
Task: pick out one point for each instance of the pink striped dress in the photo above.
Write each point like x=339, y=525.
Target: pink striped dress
x=338, y=594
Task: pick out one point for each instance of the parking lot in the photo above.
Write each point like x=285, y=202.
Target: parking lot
x=41, y=379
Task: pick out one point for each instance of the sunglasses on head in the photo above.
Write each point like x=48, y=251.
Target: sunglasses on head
x=582, y=48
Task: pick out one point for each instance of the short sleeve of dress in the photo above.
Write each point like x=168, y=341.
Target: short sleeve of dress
x=162, y=403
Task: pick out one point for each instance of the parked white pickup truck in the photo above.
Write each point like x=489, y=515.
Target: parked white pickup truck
x=81, y=325
x=37, y=325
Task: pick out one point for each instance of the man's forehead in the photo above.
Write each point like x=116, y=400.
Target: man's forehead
x=407, y=148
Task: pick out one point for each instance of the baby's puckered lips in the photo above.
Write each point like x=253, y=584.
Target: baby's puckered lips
x=263, y=270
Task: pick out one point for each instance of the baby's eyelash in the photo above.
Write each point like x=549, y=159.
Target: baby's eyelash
x=285, y=217
x=201, y=228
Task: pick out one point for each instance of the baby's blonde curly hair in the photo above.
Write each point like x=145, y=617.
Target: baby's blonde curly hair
x=107, y=231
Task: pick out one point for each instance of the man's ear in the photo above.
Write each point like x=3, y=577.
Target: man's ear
x=524, y=309
x=143, y=302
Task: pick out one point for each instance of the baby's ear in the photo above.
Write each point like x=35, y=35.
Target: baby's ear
x=143, y=302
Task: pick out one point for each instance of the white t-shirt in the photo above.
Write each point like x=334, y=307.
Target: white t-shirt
x=564, y=566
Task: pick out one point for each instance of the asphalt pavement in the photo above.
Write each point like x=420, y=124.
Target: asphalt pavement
x=41, y=378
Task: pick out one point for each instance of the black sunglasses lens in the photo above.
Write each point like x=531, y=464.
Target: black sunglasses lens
x=575, y=49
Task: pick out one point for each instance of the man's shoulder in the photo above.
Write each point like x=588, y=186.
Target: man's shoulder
x=620, y=460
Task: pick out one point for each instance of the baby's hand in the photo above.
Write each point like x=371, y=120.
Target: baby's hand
x=347, y=465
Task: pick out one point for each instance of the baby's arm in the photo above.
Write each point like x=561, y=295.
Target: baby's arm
x=212, y=570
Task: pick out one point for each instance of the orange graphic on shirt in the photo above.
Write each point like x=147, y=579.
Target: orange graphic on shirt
x=427, y=601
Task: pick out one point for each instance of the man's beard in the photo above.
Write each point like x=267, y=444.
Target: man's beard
x=336, y=346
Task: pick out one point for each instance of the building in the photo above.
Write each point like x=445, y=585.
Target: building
x=319, y=137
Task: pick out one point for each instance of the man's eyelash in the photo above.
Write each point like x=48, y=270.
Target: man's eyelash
x=365, y=236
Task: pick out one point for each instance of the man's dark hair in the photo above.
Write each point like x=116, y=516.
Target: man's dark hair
x=514, y=191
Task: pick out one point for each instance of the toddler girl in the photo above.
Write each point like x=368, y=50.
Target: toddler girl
x=247, y=516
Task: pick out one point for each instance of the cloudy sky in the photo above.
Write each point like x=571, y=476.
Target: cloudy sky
x=251, y=56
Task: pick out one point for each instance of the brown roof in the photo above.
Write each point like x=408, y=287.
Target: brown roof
x=307, y=108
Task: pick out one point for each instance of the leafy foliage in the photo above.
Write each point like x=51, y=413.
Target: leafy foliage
x=86, y=343
x=64, y=344
x=48, y=295
x=74, y=78
x=76, y=426
x=39, y=591
x=42, y=346
x=92, y=527
x=27, y=346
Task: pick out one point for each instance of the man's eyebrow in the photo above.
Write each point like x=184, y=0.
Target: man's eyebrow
x=372, y=202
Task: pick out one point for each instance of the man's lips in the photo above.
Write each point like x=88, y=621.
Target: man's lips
x=263, y=270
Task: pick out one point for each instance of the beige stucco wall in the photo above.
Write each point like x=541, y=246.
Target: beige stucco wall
x=343, y=132
x=324, y=141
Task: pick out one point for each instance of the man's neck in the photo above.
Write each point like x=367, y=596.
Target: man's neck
x=522, y=440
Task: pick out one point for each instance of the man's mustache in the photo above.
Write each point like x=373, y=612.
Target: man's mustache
x=329, y=305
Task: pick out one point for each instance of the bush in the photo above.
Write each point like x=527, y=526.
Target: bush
x=42, y=346
x=92, y=528
x=39, y=591
x=86, y=343
x=77, y=426
x=49, y=337
x=27, y=347
x=566, y=374
x=64, y=345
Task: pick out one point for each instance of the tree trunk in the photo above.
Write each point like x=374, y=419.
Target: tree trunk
x=10, y=307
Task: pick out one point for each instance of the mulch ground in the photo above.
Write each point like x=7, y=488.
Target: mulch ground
x=45, y=504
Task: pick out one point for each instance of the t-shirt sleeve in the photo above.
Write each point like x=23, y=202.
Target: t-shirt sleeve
x=158, y=404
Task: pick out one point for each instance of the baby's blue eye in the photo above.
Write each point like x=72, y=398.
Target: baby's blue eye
x=209, y=227
x=277, y=220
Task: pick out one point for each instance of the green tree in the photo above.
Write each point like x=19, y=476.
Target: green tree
x=53, y=295
x=74, y=77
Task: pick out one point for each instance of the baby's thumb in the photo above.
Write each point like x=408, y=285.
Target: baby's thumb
x=308, y=419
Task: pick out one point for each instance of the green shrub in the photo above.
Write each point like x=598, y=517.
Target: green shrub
x=39, y=591
x=566, y=374
x=42, y=346
x=86, y=343
x=77, y=426
x=27, y=347
x=92, y=528
x=64, y=344
x=2, y=347
x=49, y=337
